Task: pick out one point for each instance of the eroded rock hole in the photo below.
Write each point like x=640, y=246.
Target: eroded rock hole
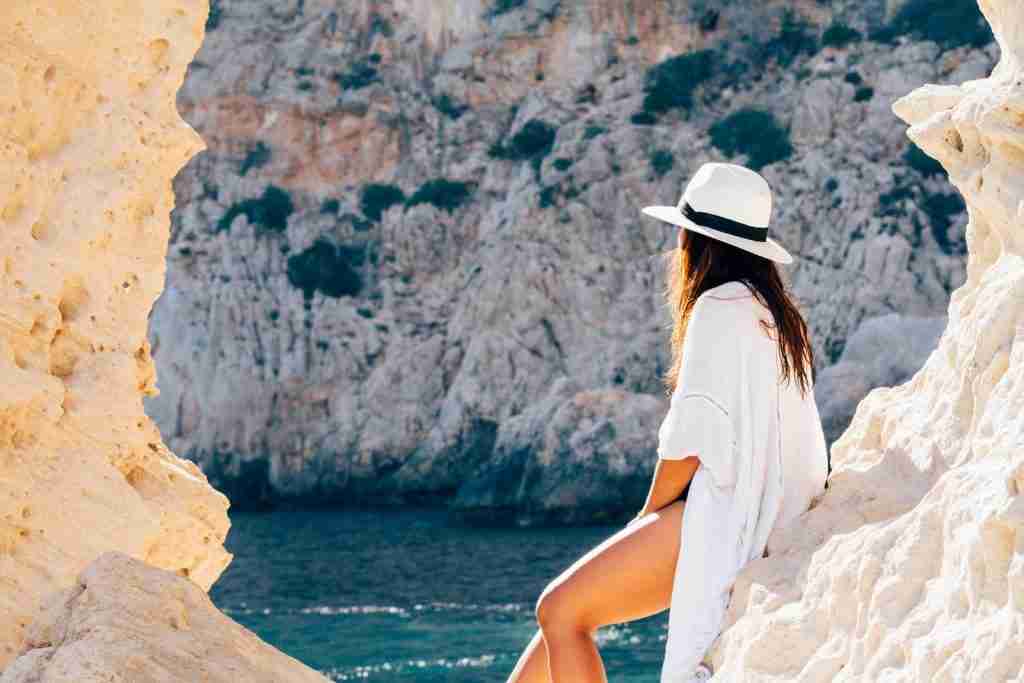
x=954, y=140
x=73, y=299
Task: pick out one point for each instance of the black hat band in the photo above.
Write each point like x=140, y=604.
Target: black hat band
x=726, y=225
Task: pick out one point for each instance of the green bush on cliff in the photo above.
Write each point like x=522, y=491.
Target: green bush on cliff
x=268, y=212
x=449, y=107
x=950, y=23
x=670, y=83
x=258, y=156
x=754, y=133
x=534, y=141
x=863, y=94
x=662, y=162
x=940, y=209
x=213, y=18
x=443, y=193
x=360, y=75
x=839, y=35
x=921, y=162
x=643, y=118
x=381, y=25
x=326, y=268
x=377, y=198
x=502, y=6
x=794, y=39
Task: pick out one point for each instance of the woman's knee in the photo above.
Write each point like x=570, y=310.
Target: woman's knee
x=556, y=609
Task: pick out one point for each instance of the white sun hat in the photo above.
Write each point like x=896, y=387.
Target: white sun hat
x=729, y=203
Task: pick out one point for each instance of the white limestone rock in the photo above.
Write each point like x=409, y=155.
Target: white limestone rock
x=910, y=567
x=883, y=351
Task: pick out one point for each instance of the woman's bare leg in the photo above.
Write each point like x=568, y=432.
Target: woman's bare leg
x=627, y=577
x=532, y=666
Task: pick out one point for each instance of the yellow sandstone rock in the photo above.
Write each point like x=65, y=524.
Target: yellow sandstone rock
x=911, y=567
x=90, y=142
x=127, y=621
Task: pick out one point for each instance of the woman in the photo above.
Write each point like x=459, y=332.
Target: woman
x=741, y=450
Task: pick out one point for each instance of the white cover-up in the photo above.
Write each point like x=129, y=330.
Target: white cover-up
x=762, y=458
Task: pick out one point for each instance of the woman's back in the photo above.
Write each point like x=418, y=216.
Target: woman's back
x=802, y=447
x=804, y=453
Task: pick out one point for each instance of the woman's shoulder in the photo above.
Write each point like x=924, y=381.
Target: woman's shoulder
x=733, y=290
x=728, y=300
x=730, y=307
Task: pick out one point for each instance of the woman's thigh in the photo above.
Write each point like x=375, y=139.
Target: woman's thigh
x=626, y=577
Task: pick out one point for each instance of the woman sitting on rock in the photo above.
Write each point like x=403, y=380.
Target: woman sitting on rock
x=741, y=450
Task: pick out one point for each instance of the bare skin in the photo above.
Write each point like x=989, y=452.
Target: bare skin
x=626, y=577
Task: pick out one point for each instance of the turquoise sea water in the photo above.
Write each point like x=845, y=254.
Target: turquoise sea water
x=401, y=595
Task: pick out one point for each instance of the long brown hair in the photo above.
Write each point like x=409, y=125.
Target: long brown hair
x=703, y=263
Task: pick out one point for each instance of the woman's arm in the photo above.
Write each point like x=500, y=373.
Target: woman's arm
x=671, y=477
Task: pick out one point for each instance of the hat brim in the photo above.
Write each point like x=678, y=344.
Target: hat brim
x=769, y=249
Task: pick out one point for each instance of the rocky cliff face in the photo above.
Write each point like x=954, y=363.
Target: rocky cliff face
x=909, y=568
x=415, y=218
x=91, y=142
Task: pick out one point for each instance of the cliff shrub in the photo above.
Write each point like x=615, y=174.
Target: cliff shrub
x=533, y=142
x=449, y=107
x=863, y=94
x=381, y=25
x=562, y=164
x=593, y=131
x=258, y=156
x=360, y=75
x=754, y=133
x=839, y=35
x=443, y=193
x=890, y=202
x=921, y=162
x=376, y=198
x=214, y=17
x=708, y=21
x=662, y=162
x=670, y=83
x=534, y=139
x=502, y=6
x=548, y=196
x=794, y=39
x=326, y=268
x=940, y=209
x=269, y=212
x=330, y=206
x=643, y=118
x=950, y=23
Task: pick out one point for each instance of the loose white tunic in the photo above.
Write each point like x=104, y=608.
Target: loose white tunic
x=762, y=458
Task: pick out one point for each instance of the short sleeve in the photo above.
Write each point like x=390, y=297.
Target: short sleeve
x=695, y=425
x=698, y=422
